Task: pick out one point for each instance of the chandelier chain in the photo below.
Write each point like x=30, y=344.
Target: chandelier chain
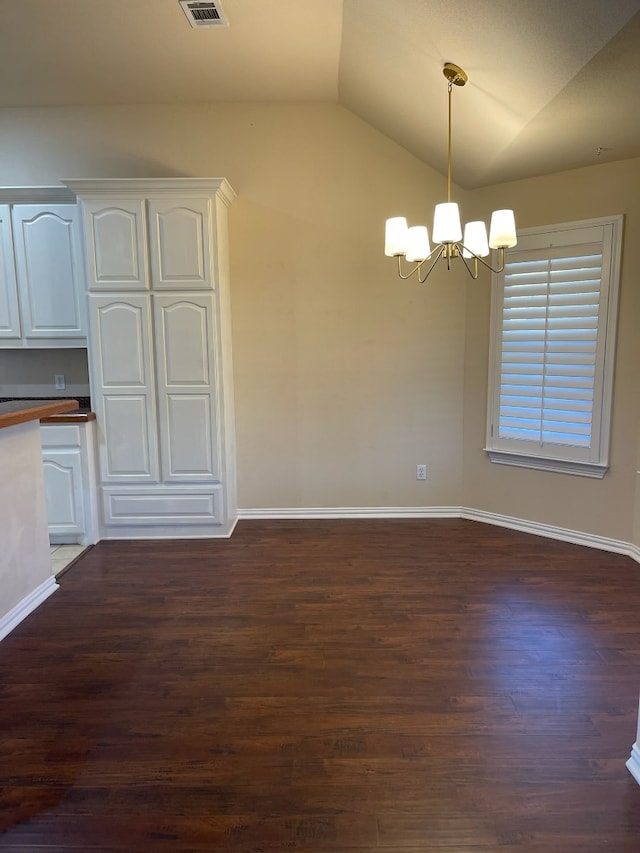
x=450, y=87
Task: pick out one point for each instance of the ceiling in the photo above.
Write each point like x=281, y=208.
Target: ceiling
x=551, y=82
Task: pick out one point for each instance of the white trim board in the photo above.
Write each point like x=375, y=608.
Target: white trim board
x=37, y=195
x=290, y=513
x=564, y=534
x=633, y=764
x=28, y=604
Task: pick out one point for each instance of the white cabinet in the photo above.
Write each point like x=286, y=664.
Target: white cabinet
x=42, y=301
x=63, y=490
x=9, y=313
x=126, y=235
x=185, y=337
x=115, y=232
x=180, y=244
x=50, y=271
x=69, y=479
x=160, y=354
x=123, y=387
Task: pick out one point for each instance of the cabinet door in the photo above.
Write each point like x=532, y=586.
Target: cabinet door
x=50, y=270
x=122, y=391
x=116, y=241
x=63, y=491
x=180, y=233
x=185, y=341
x=9, y=315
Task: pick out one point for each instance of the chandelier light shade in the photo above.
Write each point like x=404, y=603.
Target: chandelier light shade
x=396, y=236
x=502, y=231
x=475, y=240
x=412, y=243
x=418, y=248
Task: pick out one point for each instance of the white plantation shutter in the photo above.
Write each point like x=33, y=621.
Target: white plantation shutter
x=549, y=343
x=552, y=346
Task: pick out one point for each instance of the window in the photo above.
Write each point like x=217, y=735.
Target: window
x=553, y=348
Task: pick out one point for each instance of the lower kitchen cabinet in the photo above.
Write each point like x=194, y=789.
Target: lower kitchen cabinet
x=70, y=482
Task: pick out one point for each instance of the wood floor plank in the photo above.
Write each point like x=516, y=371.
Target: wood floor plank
x=326, y=686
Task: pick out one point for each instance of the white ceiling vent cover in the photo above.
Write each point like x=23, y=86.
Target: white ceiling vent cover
x=200, y=14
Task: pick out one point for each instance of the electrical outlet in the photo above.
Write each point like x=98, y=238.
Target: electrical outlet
x=59, y=382
x=421, y=472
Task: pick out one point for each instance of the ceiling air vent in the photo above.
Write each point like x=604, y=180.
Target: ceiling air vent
x=200, y=14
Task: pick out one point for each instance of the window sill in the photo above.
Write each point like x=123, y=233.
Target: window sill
x=560, y=466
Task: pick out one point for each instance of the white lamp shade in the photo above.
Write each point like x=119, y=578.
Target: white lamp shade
x=446, y=223
x=395, y=236
x=502, y=232
x=418, y=248
x=475, y=240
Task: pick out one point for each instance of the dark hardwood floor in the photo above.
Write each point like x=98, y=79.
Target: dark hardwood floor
x=327, y=686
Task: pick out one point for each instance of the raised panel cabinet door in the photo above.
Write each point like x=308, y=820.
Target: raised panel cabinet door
x=9, y=313
x=122, y=372
x=186, y=376
x=176, y=505
x=63, y=491
x=116, y=242
x=180, y=235
x=50, y=270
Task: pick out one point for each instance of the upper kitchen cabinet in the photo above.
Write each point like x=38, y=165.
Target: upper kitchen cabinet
x=116, y=242
x=42, y=291
x=180, y=252
x=154, y=244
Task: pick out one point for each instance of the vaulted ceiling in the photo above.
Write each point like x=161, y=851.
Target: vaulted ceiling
x=553, y=84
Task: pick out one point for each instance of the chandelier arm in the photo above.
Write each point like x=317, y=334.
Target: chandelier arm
x=439, y=254
x=488, y=265
x=405, y=276
x=472, y=272
x=414, y=269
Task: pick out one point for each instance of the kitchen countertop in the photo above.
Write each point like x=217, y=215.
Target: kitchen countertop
x=80, y=416
x=21, y=411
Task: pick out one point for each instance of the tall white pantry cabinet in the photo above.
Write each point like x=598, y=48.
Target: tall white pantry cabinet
x=160, y=354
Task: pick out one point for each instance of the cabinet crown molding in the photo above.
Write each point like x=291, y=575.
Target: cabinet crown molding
x=123, y=187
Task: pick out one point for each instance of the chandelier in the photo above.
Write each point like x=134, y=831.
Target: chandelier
x=413, y=245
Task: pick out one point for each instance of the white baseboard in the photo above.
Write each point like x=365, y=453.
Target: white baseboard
x=549, y=531
x=125, y=532
x=633, y=764
x=28, y=604
x=284, y=513
x=564, y=534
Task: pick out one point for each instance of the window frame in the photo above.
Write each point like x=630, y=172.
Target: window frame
x=594, y=460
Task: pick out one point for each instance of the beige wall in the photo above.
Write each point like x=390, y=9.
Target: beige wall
x=345, y=377
x=636, y=515
x=23, y=370
x=606, y=507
